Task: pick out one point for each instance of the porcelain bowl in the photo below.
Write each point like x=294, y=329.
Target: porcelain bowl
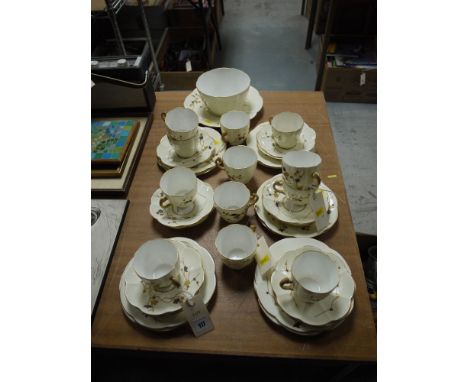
x=223, y=89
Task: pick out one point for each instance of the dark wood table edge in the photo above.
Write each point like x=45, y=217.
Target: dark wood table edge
x=235, y=357
x=175, y=352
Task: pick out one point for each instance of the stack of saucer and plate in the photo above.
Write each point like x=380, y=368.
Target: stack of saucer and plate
x=182, y=200
x=162, y=274
x=283, y=133
x=221, y=90
x=188, y=145
x=285, y=209
x=308, y=290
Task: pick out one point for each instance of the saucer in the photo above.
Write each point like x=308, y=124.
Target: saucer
x=333, y=308
x=296, y=326
x=281, y=247
x=284, y=229
x=300, y=330
x=265, y=293
x=263, y=158
x=273, y=202
x=209, y=165
x=167, y=155
x=268, y=146
x=251, y=106
x=172, y=320
x=204, y=204
x=268, y=305
x=328, y=313
x=155, y=303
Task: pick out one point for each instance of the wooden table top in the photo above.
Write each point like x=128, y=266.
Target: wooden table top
x=240, y=327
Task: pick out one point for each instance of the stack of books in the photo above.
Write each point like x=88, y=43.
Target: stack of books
x=342, y=55
x=111, y=143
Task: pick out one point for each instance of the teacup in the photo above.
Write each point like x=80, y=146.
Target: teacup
x=235, y=127
x=181, y=123
x=296, y=200
x=300, y=169
x=313, y=277
x=232, y=200
x=239, y=162
x=286, y=128
x=157, y=262
x=236, y=244
x=187, y=148
x=179, y=186
x=182, y=131
x=223, y=89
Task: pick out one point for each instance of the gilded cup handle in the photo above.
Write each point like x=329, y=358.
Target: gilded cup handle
x=164, y=202
x=316, y=179
x=253, y=199
x=219, y=163
x=163, y=117
x=286, y=284
x=276, y=186
x=175, y=282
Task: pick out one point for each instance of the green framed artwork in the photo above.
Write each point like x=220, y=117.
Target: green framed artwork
x=110, y=142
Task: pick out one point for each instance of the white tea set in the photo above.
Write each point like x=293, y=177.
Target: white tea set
x=308, y=290
x=162, y=275
x=284, y=202
x=283, y=133
x=224, y=92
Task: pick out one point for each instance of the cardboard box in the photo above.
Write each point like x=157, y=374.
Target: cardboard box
x=181, y=80
x=188, y=16
x=345, y=85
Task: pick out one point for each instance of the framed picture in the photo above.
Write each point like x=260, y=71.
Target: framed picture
x=111, y=141
x=117, y=187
